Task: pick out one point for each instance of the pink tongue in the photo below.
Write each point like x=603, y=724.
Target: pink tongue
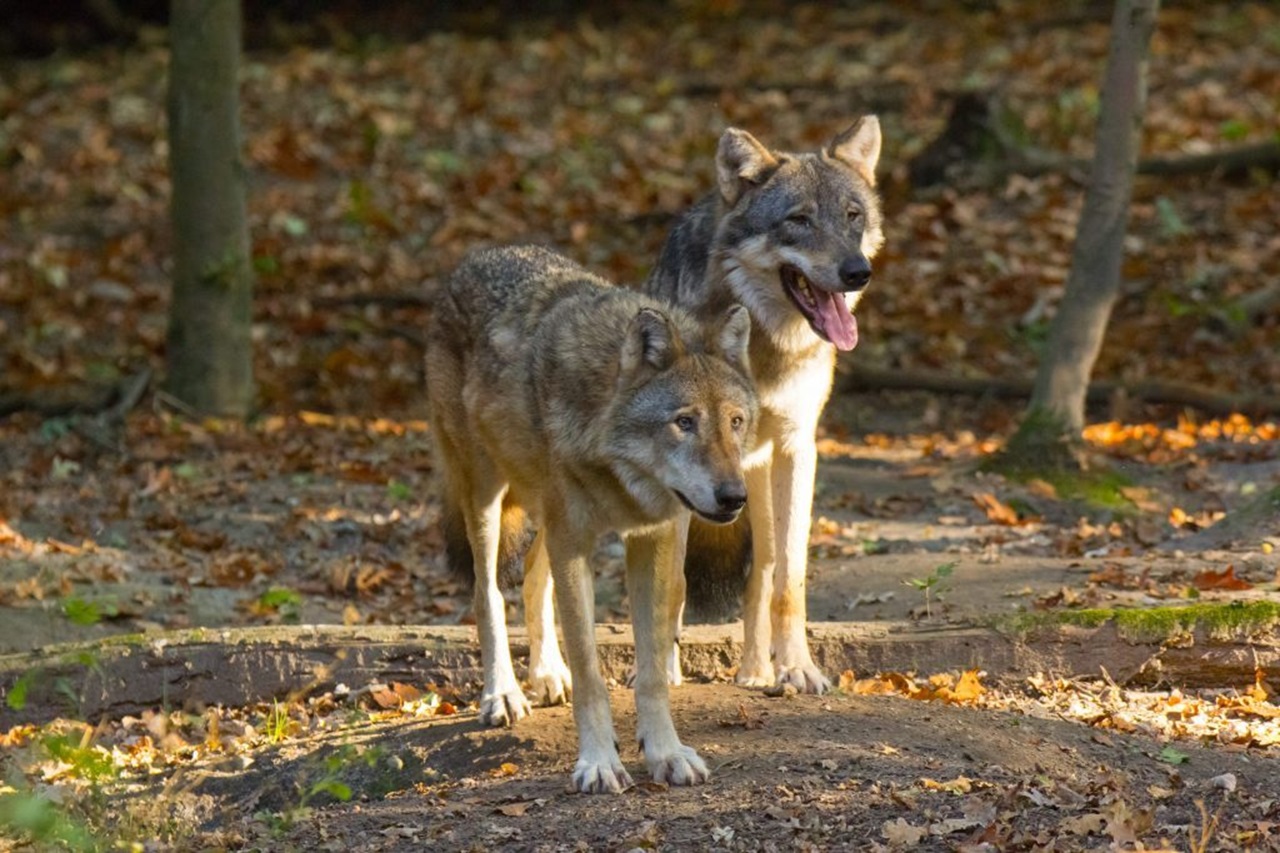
x=835, y=320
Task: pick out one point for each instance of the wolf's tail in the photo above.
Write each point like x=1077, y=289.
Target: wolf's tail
x=715, y=569
x=513, y=541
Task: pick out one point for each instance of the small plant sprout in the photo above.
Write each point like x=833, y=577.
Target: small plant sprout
x=932, y=585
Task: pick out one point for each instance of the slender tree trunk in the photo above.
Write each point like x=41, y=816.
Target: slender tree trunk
x=1056, y=412
x=210, y=365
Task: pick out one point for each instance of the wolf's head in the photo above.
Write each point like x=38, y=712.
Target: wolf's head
x=798, y=232
x=686, y=410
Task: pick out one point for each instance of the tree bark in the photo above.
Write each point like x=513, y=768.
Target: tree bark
x=1076, y=334
x=209, y=354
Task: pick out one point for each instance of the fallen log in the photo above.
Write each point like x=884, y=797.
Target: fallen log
x=977, y=147
x=242, y=666
x=860, y=376
x=111, y=402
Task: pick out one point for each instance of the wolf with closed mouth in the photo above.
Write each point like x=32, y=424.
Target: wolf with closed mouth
x=592, y=408
x=790, y=237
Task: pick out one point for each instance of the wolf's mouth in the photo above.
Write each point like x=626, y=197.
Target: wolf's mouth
x=828, y=314
x=716, y=517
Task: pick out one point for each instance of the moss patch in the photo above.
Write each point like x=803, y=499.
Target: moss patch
x=1220, y=620
x=1098, y=488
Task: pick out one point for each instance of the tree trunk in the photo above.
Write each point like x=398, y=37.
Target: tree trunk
x=1056, y=412
x=210, y=365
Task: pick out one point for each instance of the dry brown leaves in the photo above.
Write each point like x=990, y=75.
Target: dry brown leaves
x=965, y=689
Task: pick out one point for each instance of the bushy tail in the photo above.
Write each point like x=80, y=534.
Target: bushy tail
x=513, y=541
x=715, y=569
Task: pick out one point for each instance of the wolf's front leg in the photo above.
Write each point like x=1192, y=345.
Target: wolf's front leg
x=549, y=678
x=599, y=768
x=651, y=585
x=502, y=702
x=793, y=475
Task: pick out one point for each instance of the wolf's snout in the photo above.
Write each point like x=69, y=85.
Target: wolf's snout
x=855, y=273
x=731, y=497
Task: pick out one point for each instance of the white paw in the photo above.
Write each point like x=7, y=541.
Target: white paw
x=680, y=766
x=551, y=685
x=755, y=675
x=503, y=709
x=601, y=777
x=805, y=677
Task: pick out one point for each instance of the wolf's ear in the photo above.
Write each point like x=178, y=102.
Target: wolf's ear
x=652, y=343
x=733, y=336
x=859, y=147
x=741, y=160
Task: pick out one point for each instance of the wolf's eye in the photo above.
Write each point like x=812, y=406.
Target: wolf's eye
x=686, y=423
x=800, y=219
x=855, y=216
x=737, y=421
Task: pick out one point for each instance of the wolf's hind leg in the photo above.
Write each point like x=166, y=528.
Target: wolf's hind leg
x=549, y=678
x=674, y=605
x=756, y=667
x=502, y=702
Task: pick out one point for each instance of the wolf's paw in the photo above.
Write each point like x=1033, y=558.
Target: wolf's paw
x=503, y=709
x=601, y=777
x=758, y=675
x=683, y=766
x=551, y=685
x=805, y=678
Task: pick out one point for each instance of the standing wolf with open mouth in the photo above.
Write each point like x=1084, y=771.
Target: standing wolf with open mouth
x=594, y=409
x=791, y=238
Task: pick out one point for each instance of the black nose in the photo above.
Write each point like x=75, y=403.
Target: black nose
x=855, y=272
x=731, y=497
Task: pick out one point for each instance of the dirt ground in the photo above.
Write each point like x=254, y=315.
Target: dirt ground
x=819, y=773
x=1036, y=764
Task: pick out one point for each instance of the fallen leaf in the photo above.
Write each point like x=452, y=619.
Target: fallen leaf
x=514, y=809
x=743, y=719
x=958, y=785
x=996, y=510
x=899, y=833
x=1225, y=579
x=1087, y=824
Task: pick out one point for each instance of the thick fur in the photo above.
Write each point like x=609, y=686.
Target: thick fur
x=593, y=409
x=790, y=237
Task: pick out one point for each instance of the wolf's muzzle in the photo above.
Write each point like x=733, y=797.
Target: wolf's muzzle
x=855, y=272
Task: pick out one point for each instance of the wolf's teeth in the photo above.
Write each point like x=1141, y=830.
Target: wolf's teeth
x=804, y=288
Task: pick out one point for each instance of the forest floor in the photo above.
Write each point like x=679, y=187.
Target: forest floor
x=374, y=166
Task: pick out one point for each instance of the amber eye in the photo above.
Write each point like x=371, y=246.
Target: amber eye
x=686, y=423
x=737, y=421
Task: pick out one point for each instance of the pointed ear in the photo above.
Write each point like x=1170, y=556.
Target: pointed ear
x=734, y=336
x=859, y=147
x=651, y=343
x=741, y=161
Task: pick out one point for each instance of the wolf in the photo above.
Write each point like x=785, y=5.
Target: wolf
x=790, y=237
x=591, y=408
